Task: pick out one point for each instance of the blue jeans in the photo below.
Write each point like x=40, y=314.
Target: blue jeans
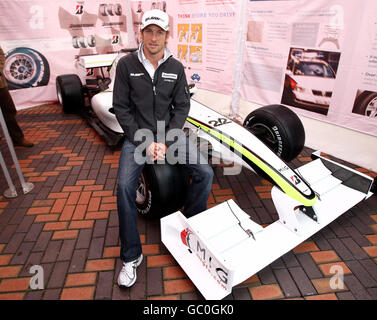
x=128, y=179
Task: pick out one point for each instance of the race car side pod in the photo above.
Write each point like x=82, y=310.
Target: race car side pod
x=221, y=247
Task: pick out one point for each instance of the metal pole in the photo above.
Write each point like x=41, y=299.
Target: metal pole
x=26, y=186
x=11, y=192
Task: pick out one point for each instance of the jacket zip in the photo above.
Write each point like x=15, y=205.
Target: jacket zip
x=154, y=83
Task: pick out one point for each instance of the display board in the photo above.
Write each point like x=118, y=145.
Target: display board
x=42, y=39
x=318, y=57
x=202, y=37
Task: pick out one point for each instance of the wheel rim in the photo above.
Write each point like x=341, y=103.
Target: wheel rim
x=21, y=68
x=371, y=109
x=141, y=191
x=265, y=134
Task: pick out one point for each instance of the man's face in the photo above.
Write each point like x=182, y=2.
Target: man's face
x=154, y=39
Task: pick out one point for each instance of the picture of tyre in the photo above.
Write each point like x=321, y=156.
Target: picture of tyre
x=25, y=68
x=366, y=104
x=110, y=9
x=84, y=42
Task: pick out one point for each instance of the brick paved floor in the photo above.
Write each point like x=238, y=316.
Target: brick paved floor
x=68, y=225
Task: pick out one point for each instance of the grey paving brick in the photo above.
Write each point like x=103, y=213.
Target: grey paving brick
x=154, y=282
x=100, y=228
x=83, y=240
x=286, y=283
x=112, y=236
x=52, y=294
x=25, y=224
x=96, y=248
x=357, y=236
x=266, y=276
x=341, y=249
x=104, y=287
x=371, y=267
x=34, y=232
x=77, y=264
x=310, y=267
x=8, y=232
x=58, y=275
x=14, y=243
x=302, y=281
x=241, y=294
x=356, y=288
x=357, y=252
x=52, y=251
x=22, y=253
x=66, y=250
x=361, y=274
x=42, y=241
x=345, y=295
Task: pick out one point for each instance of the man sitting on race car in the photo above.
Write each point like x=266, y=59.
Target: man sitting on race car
x=150, y=89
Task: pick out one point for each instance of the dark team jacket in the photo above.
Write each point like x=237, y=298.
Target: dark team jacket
x=139, y=103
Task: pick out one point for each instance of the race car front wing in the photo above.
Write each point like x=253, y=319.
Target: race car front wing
x=222, y=247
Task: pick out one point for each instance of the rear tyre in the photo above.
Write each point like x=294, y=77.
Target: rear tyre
x=162, y=190
x=279, y=128
x=70, y=93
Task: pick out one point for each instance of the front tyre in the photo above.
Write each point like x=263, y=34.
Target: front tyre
x=162, y=190
x=279, y=128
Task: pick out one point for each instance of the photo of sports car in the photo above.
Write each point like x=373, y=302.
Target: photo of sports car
x=222, y=247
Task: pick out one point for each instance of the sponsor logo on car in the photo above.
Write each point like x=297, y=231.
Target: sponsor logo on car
x=208, y=261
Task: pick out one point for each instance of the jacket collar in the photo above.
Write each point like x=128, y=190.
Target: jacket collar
x=143, y=59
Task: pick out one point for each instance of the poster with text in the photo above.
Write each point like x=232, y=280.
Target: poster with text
x=43, y=39
x=316, y=57
x=202, y=36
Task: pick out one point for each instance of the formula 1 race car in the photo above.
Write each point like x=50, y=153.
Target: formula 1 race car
x=222, y=247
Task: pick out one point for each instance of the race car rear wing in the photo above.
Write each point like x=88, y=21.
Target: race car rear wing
x=221, y=247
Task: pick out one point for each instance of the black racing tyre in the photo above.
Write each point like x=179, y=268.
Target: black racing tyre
x=162, y=190
x=279, y=128
x=366, y=104
x=25, y=68
x=70, y=93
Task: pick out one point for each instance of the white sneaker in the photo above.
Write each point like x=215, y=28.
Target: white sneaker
x=127, y=276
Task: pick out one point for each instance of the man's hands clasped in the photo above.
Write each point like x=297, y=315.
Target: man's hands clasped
x=157, y=151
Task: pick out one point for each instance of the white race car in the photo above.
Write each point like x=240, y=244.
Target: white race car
x=222, y=247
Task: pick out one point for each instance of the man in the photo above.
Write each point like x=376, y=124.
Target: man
x=9, y=110
x=150, y=88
